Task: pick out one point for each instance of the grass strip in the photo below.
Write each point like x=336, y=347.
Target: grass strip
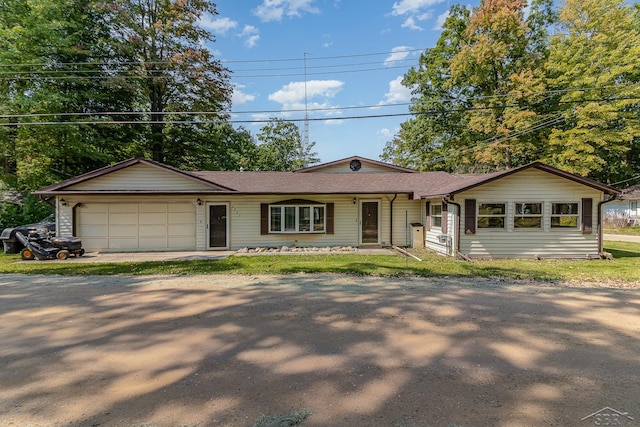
x=624, y=267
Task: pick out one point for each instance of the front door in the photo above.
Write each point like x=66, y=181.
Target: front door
x=370, y=222
x=217, y=226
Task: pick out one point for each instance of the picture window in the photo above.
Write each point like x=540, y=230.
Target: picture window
x=527, y=215
x=297, y=219
x=492, y=215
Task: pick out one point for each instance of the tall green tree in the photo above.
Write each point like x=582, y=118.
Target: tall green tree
x=594, y=61
x=281, y=148
x=427, y=141
x=211, y=146
x=476, y=91
x=501, y=69
x=173, y=70
x=52, y=53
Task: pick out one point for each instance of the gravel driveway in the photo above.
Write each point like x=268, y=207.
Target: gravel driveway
x=356, y=351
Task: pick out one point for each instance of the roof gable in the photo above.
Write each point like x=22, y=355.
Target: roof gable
x=355, y=164
x=135, y=175
x=468, y=182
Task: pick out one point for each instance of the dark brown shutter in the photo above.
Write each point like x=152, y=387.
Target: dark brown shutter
x=427, y=223
x=264, y=218
x=587, y=216
x=445, y=217
x=470, y=216
x=329, y=218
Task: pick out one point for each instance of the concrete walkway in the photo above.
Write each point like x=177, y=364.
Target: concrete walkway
x=200, y=255
x=620, y=238
x=149, y=256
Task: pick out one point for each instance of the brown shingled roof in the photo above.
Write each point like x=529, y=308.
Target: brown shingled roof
x=417, y=184
x=631, y=193
x=331, y=183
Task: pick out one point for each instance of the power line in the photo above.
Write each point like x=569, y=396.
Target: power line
x=282, y=111
x=203, y=113
x=267, y=60
x=159, y=73
x=95, y=122
x=627, y=180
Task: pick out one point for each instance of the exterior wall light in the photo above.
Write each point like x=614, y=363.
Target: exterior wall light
x=199, y=202
x=63, y=202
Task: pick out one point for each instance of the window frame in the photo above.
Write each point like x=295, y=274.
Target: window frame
x=433, y=217
x=503, y=216
x=577, y=215
x=297, y=218
x=524, y=215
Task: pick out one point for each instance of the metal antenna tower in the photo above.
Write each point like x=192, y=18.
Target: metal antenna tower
x=306, y=105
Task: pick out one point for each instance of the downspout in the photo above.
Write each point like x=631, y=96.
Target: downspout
x=611, y=198
x=458, y=211
x=395, y=196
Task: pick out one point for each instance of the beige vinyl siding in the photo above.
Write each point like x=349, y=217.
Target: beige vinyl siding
x=405, y=212
x=530, y=186
x=244, y=223
x=432, y=236
x=144, y=177
x=64, y=219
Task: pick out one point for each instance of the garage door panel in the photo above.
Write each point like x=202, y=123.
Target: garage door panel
x=150, y=242
x=181, y=242
x=152, y=231
x=93, y=243
x=123, y=219
x=181, y=230
x=153, y=218
x=129, y=231
x=181, y=207
x=123, y=208
x=181, y=217
x=119, y=243
x=137, y=226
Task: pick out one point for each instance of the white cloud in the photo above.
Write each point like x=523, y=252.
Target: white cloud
x=386, y=133
x=410, y=23
x=398, y=53
x=414, y=10
x=239, y=97
x=219, y=26
x=292, y=95
x=251, y=35
x=398, y=93
x=274, y=10
x=405, y=7
x=441, y=20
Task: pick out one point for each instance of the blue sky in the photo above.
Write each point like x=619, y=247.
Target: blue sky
x=356, y=54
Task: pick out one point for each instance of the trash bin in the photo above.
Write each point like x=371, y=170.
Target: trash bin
x=9, y=241
x=417, y=235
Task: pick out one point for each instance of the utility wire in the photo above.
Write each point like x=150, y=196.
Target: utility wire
x=204, y=113
x=245, y=61
x=162, y=71
x=233, y=121
x=626, y=180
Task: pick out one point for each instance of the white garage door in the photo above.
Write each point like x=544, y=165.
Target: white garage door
x=137, y=226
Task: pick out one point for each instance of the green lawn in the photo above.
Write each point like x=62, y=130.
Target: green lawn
x=629, y=231
x=624, y=266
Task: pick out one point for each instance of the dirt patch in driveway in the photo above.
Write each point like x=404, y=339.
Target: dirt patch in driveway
x=356, y=351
